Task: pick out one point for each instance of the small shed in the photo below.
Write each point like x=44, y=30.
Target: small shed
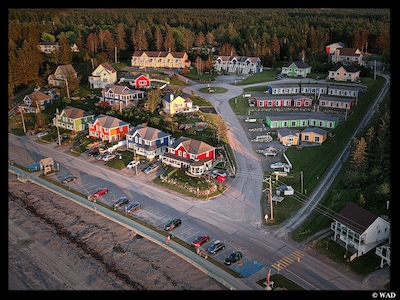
x=46, y=164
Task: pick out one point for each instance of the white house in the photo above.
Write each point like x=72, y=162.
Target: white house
x=102, y=76
x=238, y=64
x=359, y=230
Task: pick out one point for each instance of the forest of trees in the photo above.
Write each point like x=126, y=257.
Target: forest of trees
x=273, y=35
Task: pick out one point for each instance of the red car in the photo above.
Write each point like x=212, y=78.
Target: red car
x=200, y=240
x=100, y=192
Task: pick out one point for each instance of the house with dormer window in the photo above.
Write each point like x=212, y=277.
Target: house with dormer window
x=61, y=74
x=148, y=141
x=102, y=76
x=238, y=64
x=35, y=102
x=359, y=230
x=121, y=95
x=174, y=104
x=73, y=118
x=160, y=59
x=296, y=69
x=107, y=128
x=196, y=157
x=348, y=56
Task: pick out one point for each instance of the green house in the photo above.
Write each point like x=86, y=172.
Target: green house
x=72, y=118
x=300, y=120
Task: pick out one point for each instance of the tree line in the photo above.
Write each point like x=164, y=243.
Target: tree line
x=273, y=35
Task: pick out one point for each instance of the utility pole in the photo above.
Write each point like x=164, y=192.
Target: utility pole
x=66, y=83
x=23, y=121
x=301, y=181
x=270, y=198
x=58, y=129
x=134, y=158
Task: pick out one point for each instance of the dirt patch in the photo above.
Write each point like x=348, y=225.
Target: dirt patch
x=55, y=244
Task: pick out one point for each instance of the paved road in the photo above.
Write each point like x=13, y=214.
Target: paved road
x=235, y=212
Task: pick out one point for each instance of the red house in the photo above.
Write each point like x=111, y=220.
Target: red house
x=336, y=102
x=273, y=101
x=108, y=128
x=301, y=101
x=141, y=82
x=195, y=156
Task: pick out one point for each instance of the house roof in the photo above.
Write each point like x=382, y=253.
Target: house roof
x=108, y=67
x=299, y=64
x=66, y=69
x=349, y=51
x=192, y=146
x=347, y=68
x=355, y=217
x=108, y=121
x=316, y=130
x=288, y=132
x=75, y=113
x=149, y=133
x=40, y=96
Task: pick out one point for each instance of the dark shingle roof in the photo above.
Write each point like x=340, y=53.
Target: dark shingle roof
x=355, y=217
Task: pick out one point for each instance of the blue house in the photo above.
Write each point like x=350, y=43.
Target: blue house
x=148, y=141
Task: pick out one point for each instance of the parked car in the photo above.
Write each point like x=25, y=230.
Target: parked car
x=132, y=207
x=172, y=223
x=216, y=246
x=277, y=165
x=200, y=240
x=233, y=257
x=42, y=133
x=68, y=178
x=99, y=192
x=132, y=164
x=92, y=151
x=62, y=140
x=109, y=157
x=120, y=202
x=219, y=173
x=151, y=169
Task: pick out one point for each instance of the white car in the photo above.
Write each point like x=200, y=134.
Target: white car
x=132, y=164
x=219, y=173
x=109, y=157
x=277, y=165
x=42, y=133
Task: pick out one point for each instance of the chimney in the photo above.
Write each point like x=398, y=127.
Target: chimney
x=171, y=97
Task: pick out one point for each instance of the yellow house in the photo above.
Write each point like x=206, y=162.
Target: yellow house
x=160, y=59
x=173, y=104
x=288, y=137
x=314, y=135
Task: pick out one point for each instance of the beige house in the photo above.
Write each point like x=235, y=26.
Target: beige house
x=160, y=59
x=102, y=76
x=48, y=47
x=348, y=56
x=61, y=74
x=344, y=73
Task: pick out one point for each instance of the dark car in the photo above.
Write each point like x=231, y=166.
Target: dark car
x=120, y=202
x=92, y=152
x=172, y=223
x=214, y=248
x=99, y=192
x=132, y=207
x=200, y=240
x=233, y=257
x=68, y=178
